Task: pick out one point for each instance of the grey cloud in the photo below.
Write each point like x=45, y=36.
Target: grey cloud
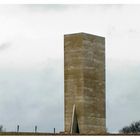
x=4, y=46
x=33, y=97
x=122, y=95
x=45, y=7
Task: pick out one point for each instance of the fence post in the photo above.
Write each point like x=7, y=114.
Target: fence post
x=35, y=128
x=54, y=130
x=17, y=128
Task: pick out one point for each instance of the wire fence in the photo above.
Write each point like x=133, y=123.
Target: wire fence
x=35, y=129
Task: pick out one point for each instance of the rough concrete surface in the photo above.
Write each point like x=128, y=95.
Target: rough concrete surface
x=84, y=82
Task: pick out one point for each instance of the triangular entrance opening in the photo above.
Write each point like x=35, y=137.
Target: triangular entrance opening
x=74, y=124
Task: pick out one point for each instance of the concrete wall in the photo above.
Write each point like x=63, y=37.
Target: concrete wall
x=84, y=73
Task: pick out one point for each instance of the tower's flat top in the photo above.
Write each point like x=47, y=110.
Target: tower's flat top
x=82, y=33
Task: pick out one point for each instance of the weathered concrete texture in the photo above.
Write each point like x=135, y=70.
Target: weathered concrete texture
x=84, y=73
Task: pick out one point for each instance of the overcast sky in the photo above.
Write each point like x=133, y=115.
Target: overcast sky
x=31, y=62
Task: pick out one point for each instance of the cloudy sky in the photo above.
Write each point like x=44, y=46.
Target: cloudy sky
x=31, y=62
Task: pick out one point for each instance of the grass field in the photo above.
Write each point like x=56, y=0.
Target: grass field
x=57, y=134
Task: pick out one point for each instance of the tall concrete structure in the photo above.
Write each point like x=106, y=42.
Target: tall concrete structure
x=84, y=82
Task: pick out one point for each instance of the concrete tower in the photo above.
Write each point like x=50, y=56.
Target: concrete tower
x=84, y=82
